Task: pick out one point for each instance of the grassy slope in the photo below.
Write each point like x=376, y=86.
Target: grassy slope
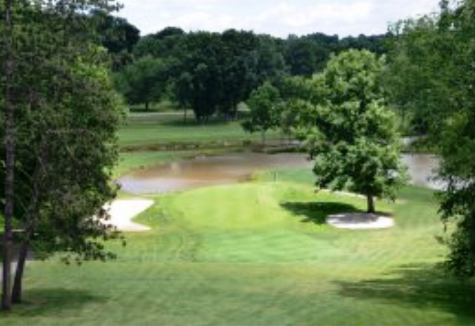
x=254, y=254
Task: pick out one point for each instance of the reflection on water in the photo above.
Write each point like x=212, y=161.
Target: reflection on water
x=422, y=169
x=206, y=171
x=232, y=168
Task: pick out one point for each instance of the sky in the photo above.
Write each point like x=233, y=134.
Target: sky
x=276, y=17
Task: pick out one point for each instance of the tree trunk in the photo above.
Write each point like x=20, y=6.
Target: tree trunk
x=17, y=283
x=263, y=137
x=371, y=208
x=184, y=114
x=10, y=157
x=146, y=106
x=33, y=212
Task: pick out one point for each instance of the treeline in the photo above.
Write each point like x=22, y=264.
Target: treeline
x=211, y=73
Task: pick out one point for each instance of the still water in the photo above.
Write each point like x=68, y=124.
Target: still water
x=238, y=167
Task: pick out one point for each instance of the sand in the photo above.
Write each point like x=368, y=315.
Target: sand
x=122, y=211
x=360, y=221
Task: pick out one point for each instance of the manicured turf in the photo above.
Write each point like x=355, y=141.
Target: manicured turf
x=156, y=129
x=258, y=254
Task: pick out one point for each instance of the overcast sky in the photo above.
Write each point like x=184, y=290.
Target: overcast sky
x=275, y=17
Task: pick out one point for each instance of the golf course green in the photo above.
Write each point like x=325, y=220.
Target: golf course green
x=256, y=253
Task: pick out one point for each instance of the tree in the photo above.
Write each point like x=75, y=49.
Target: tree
x=348, y=129
x=264, y=105
x=221, y=70
x=301, y=56
x=144, y=81
x=442, y=46
x=9, y=137
x=64, y=132
x=163, y=44
x=117, y=35
x=412, y=72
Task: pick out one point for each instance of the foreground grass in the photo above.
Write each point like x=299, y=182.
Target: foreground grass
x=255, y=254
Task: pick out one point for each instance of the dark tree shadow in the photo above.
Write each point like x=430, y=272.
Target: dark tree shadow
x=54, y=301
x=317, y=212
x=418, y=286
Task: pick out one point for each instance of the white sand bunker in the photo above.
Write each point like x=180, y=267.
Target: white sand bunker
x=359, y=221
x=123, y=211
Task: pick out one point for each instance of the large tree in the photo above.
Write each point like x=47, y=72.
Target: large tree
x=61, y=128
x=441, y=48
x=349, y=131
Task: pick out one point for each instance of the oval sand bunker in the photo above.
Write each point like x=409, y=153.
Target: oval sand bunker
x=359, y=221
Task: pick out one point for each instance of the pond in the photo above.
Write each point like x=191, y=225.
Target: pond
x=238, y=167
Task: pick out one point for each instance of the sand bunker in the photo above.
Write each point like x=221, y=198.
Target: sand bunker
x=124, y=210
x=359, y=221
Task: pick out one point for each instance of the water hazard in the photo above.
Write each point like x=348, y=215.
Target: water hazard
x=238, y=167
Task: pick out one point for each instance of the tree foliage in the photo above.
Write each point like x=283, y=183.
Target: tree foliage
x=66, y=114
x=265, y=109
x=144, y=81
x=348, y=129
x=218, y=71
x=441, y=48
x=163, y=44
x=117, y=35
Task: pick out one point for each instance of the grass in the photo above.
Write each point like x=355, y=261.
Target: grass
x=147, y=130
x=163, y=106
x=258, y=254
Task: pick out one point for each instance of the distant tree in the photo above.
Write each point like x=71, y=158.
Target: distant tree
x=144, y=81
x=301, y=56
x=117, y=35
x=329, y=42
x=215, y=72
x=163, y=44
x=265, y=110
x=373, y=43
x=348, y=129
x=413, y=71
x=181, y=91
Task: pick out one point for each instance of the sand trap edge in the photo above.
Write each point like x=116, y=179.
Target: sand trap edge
x=359, y=221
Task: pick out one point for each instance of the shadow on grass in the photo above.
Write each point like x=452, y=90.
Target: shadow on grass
x=317, y=212
x=418, y=286
x=54, y=301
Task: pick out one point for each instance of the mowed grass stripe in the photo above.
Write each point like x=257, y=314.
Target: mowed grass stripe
x=235, y=255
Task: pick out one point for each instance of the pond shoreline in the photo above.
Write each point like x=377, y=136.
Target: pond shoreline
x=200, y=170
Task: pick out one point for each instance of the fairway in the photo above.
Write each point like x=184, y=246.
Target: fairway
x=257, y=254
x=168, y=129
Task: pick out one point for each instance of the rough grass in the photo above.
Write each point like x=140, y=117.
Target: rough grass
x=258, y=254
